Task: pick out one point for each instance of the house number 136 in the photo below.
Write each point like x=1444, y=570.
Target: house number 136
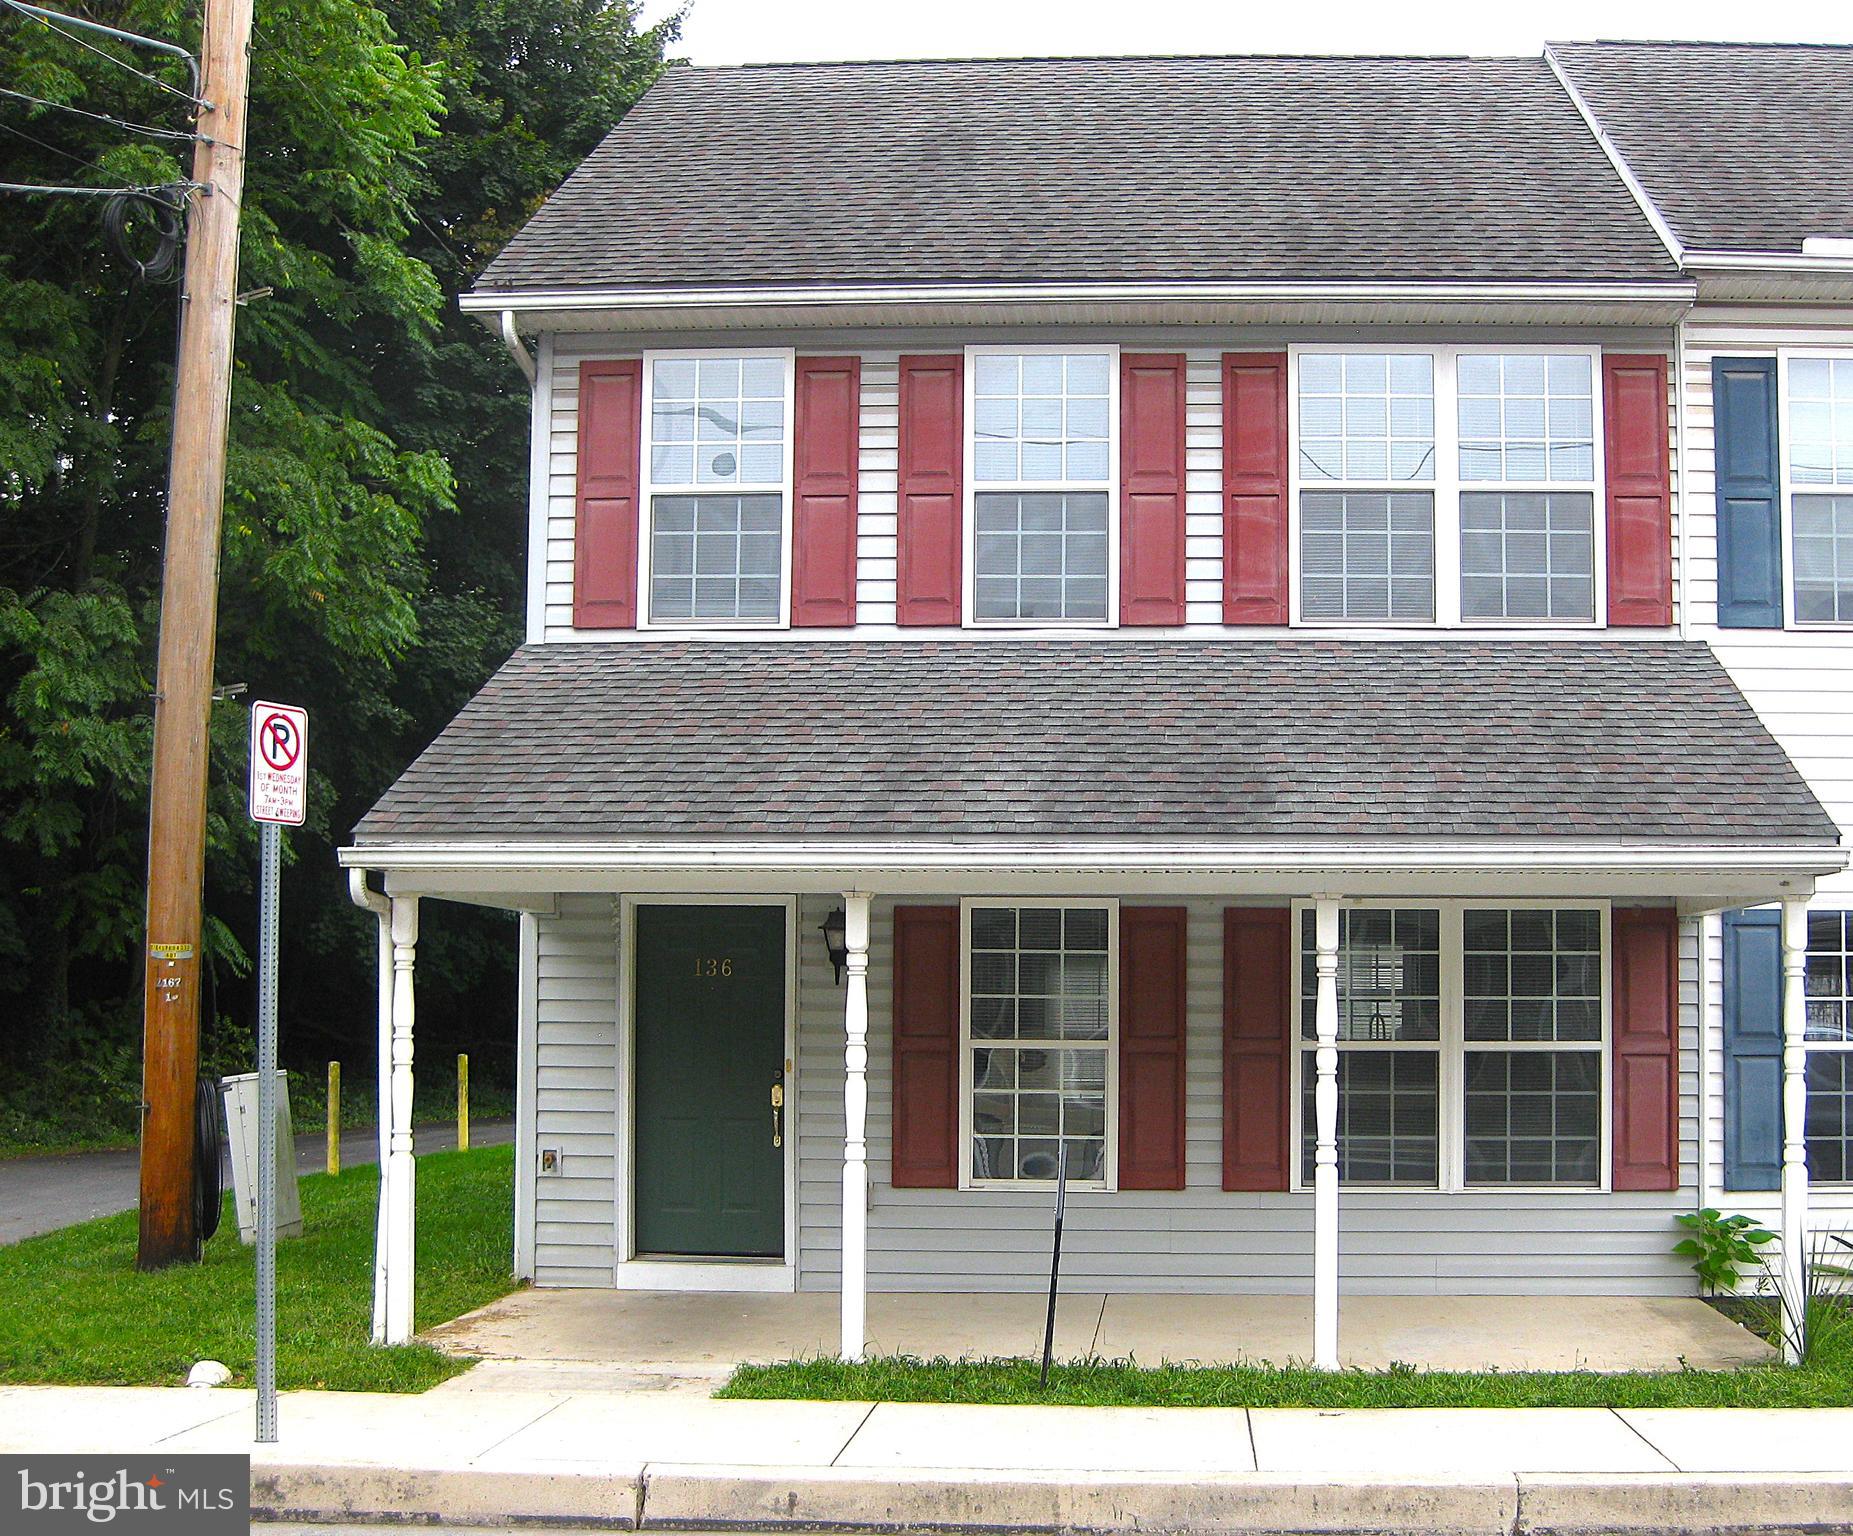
x=713, y=967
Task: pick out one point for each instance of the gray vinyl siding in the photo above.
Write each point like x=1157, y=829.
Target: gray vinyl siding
x=1199, y=1239
x=576, y=1056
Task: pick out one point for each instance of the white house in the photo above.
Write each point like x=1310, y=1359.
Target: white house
x=1162, y=614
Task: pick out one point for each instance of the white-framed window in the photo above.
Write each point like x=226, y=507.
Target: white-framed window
x=1039, y=1039
x=1472, y=1049
x=716, y=536
x=1828, y=985
x=1817, y=467
x=1528, y=485
x=1042, y=472
x=1445, y=485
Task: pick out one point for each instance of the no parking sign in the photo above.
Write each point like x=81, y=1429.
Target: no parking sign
x=279, y=763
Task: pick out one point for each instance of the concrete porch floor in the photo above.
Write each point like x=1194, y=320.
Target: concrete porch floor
x=702, y=1335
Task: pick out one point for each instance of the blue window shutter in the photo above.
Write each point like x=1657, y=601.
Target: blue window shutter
x=1743, y=391
x=1753, y=1050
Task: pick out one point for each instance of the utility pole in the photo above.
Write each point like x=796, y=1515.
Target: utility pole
x=189, y=625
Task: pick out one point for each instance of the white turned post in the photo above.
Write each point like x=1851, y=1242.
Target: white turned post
x=1794, y=1129
x=1325, y=1132
x=383, y=1134
x=855, y=1126
x=399, y=1173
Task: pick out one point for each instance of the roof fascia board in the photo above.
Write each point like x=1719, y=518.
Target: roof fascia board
x=1799, y=860
x=1662, y=226
x=1633, y=292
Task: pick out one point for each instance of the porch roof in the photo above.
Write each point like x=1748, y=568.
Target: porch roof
x=995, y=740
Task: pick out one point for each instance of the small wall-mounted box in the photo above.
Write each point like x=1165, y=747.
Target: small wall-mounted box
x=550, y=1160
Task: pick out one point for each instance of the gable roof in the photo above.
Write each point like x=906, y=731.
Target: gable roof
x=1744, y=147
x=1641, y=742
x=1042, y=171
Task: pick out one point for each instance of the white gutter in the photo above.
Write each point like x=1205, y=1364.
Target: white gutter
x=1771, y=261
x=1662, y=226
x=1103, y=858
x=695, y=299
x=363, y=895
x=511, y=338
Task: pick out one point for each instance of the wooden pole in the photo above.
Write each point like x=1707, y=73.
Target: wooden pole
x=189, y=621
x=334, y=1117
x=463, y=1103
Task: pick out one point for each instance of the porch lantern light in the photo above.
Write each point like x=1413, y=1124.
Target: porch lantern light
x=835, y=929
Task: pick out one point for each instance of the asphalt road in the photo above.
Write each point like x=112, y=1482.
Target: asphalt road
x=41, y=1194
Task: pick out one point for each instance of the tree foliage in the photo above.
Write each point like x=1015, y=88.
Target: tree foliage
x=375, y=495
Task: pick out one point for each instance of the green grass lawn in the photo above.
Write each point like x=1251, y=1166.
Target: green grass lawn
x=76, y=1310
x=1827, y=1381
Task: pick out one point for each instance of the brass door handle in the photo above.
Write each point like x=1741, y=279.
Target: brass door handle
x=778, y=1114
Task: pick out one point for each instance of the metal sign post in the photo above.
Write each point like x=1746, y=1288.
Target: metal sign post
x=278, y=798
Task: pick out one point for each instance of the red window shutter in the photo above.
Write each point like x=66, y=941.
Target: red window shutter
x=605, y=525
x=1640, y=491
x=1644, y=943
x=1254, y=481
x=1152, y=488
x=931, y=484
x=1257, y=1034
x=1151, y=1145
x=926, y=1048
x=827, y=419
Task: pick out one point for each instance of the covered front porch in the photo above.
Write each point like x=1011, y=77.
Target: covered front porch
x=703, y=1335
x=1273, y=863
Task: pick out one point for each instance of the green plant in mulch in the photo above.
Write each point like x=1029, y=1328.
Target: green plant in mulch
x=1718, y=1245
x=78, y=1311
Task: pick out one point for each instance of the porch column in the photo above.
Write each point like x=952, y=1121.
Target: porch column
x=399, y=1173
x=1325, y=1133
x=1794, y=1129
x=855, y=1126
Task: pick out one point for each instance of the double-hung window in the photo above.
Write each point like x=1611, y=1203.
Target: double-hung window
x=1039, y=1043
x=1470, y=1045
x=1367, y=498
x=1446, y=485
x=719, y=472
x=1828, y=984
x=1041, y=472
x=1820, y=475
x=1389, y=1045
x=1527, y=425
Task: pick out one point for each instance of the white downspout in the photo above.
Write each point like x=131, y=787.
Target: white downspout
x=363, y=895
x=511, y=338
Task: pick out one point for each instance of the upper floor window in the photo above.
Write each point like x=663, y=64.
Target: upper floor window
x=1446, y=486
x=1041, y=456
x=719, y=468
x=1527, y=434
x=1820, y=458
x=1367, y=431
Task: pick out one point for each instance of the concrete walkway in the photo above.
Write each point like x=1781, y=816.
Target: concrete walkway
x=42, y=1194
x=624, y=1460
x=697, y=1333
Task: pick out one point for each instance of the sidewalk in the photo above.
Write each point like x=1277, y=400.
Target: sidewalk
x=664, y=1459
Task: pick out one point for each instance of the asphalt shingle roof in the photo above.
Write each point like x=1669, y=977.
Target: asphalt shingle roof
x=1091, y=170
x=1743, y=146
x=1098, y=738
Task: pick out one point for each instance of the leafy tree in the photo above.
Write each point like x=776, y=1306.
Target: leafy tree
x=373, y=517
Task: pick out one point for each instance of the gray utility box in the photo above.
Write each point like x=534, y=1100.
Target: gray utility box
x=241, y=1142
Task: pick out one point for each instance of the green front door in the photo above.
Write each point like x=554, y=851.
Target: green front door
x=710, y=1047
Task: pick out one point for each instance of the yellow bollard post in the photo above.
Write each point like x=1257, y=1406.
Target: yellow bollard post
x=463, y=1103
x=334, y=1117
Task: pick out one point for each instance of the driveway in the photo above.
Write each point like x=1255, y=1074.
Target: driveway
x=41, y=1194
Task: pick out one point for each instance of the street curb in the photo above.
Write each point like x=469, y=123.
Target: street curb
x=821, y=1499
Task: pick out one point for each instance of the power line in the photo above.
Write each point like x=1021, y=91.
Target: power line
x=50, y=191
x=43, y=18
x=102, y=117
